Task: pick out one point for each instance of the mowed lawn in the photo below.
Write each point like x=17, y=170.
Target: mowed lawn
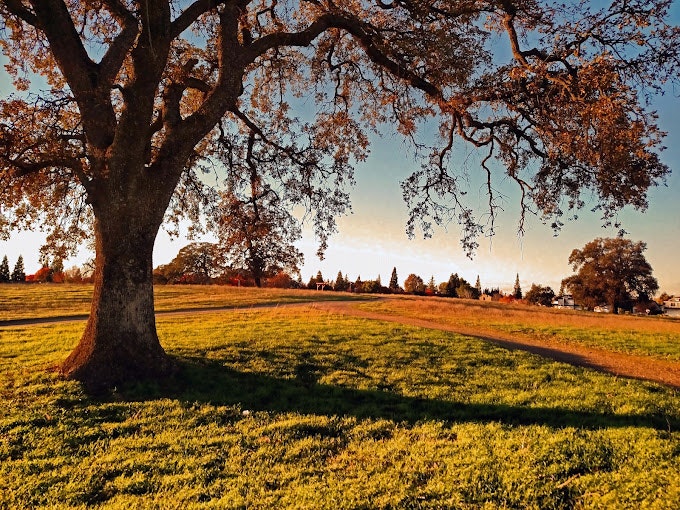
x=300, y=408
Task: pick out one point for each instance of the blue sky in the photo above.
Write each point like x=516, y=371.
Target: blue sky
x=372, y=240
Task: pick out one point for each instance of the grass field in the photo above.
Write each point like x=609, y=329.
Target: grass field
x=654, y=336
x=299, y=408
x=64, y=300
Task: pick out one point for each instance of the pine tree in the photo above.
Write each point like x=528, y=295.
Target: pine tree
x=518, y=290
x=394, y=281
x=478, y=287
x=18, y=275
x=432, y=286
x=4, y=270
x=340, y=283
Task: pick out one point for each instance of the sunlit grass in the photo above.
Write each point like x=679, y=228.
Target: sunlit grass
x=649, y=336
x=65, y=300
x=297, y=408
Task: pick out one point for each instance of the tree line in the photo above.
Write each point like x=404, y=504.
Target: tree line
x=49, y=272
x=611, y=274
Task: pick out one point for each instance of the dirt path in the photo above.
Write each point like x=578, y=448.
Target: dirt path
x=620, y=364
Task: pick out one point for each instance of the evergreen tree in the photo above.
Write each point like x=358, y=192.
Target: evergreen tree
x=340, y=282
x=518, y=290
x=19, y=275
x=432, y=286
x=478, y=287
x=394, y=281
x=4, y=270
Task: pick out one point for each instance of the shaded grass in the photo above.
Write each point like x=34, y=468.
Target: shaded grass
x=302, y=409
x=27, y=301
x=655, y=336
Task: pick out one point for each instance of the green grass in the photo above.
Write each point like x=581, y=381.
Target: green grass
x=66, y=300
x=657, y=337
x=296, y=408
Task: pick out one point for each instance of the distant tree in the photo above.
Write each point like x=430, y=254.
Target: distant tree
x=540, y=295
x=431, y=286
x=358, y=285
x=281, y=280
x=466, y=291
x=478, y=287
x=43, y=275
x=451, y=287
x=493, y=291
x=663, y=298
x=4, y=270
x=414, y=284
x=57, y=267
x=196, y=263
x=394, y=281
x=316, y=279
x=612, y=271
x=73, y=275
x=517, y=293
x=19, y=274
x=255, y=229
x=372, y=287
x=340, y=283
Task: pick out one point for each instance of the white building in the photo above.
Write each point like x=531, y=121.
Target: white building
x=566, y=301
x=672, y=306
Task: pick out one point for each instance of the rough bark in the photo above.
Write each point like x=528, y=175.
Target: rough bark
x=120, y=342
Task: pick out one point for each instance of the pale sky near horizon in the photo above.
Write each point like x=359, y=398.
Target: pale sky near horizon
x=372, y=240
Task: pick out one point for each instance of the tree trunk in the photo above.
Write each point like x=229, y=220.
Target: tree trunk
x=120, y=342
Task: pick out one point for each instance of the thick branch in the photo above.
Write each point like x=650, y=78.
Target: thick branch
x=17, y=8
x=191, y=14
x=358, y=30
x=117, y=52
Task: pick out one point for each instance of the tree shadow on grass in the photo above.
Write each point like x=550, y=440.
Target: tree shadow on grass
x=207, y=381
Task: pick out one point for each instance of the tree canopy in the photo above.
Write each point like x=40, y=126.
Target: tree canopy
x=195, y=263
x=540, y=295
x=612, y=272
x=141, y=105
x=256, y=231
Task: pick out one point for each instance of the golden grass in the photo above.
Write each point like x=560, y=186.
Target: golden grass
x=65, y=300
x=653, y=336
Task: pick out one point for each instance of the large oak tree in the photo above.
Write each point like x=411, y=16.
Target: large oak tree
x=138, y=98
x=611, y=271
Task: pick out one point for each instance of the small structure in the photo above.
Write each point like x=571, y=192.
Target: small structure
x=565, y=301
x=672, y=307
x=486, y=297
x=321, y=285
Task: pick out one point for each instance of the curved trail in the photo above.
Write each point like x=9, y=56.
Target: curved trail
x=616, y=363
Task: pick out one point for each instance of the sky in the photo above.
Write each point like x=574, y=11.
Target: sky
x=372, y=240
